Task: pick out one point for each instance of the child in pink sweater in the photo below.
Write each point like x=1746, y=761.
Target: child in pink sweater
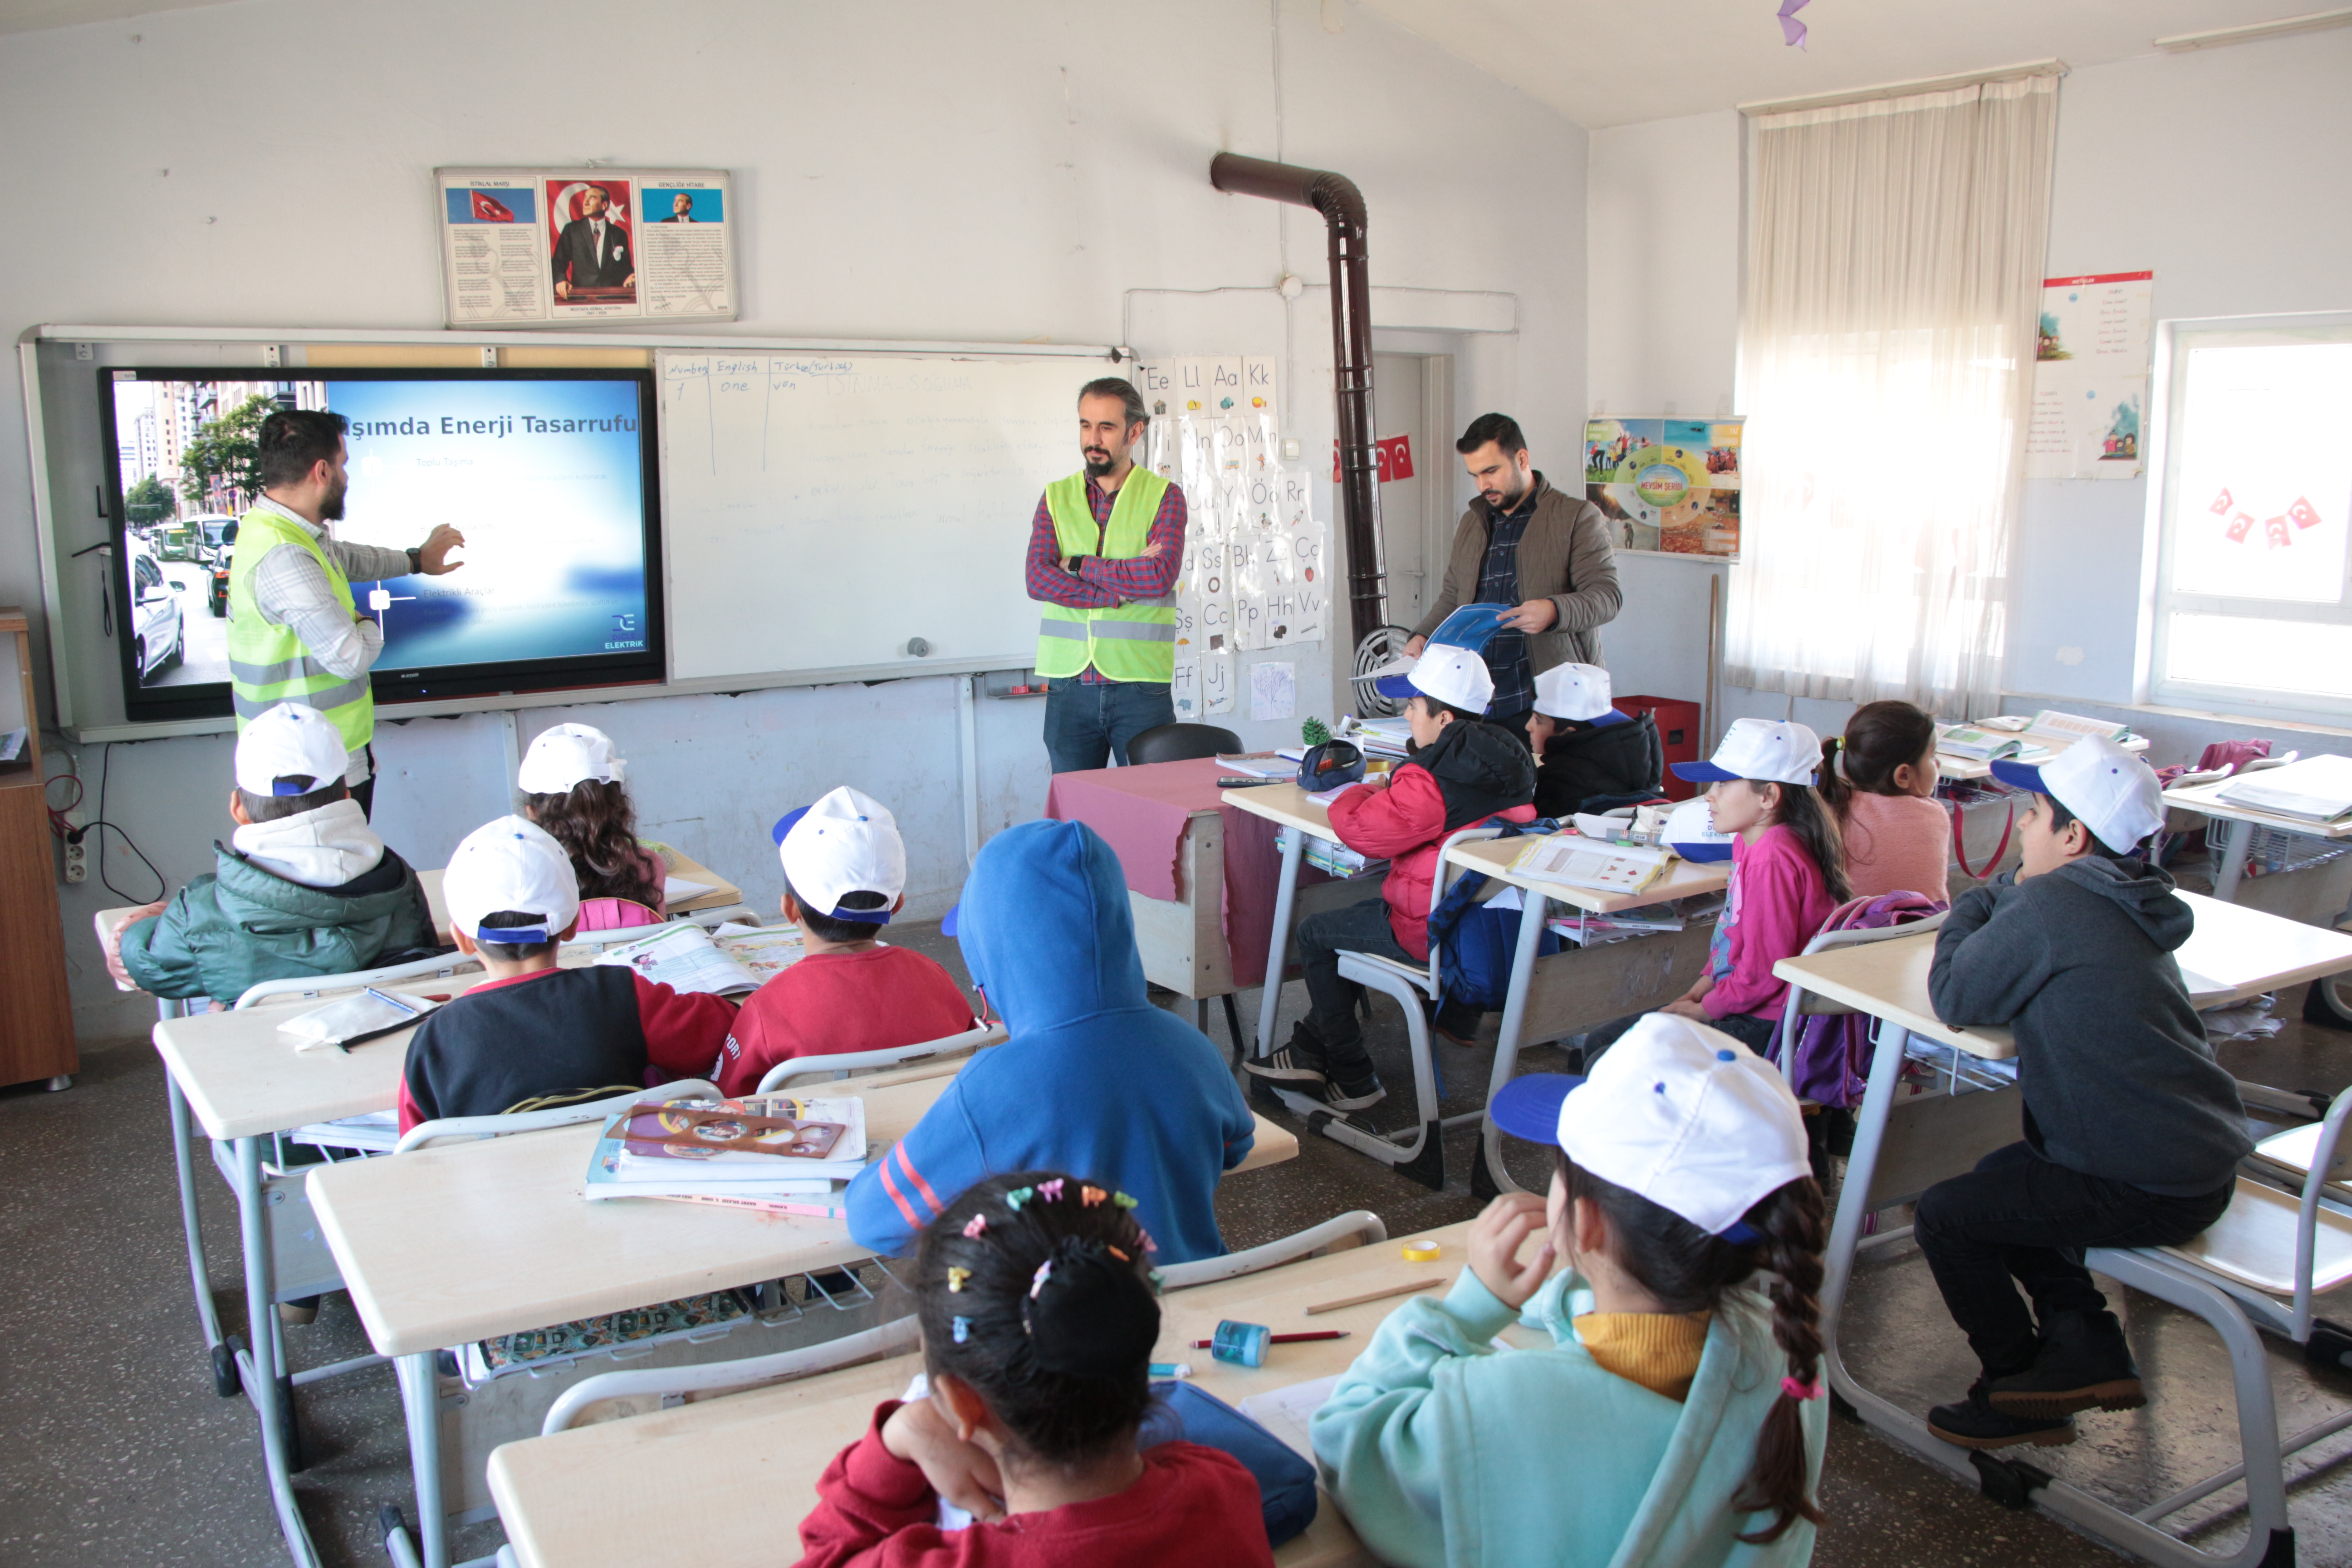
x=1878, y=779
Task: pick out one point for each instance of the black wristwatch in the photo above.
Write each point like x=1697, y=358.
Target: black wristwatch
x=415, y=560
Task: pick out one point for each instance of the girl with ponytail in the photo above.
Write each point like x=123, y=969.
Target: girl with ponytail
x=1678, y=1416
x=1878, y=779
x=1039, y=1308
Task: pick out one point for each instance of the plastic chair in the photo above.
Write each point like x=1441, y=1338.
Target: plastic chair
x=310, y=985
x=1423, y=1156
x=1356, y=1227
x=898, y=1335
x=794, y=1070
x=616, y=914
x=1180, y=744
x=426, y=1133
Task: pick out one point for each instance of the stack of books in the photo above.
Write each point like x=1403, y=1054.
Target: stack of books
x=2317, y=789
x=774, y=1153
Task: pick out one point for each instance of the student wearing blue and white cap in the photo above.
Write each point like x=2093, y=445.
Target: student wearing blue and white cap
x=1587, y=751
x=844, y=876
x=534, y=1034
x=2133, y=1133
x=1677, y=1417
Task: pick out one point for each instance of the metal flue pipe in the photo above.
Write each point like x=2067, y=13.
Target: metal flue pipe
x=1342, y=207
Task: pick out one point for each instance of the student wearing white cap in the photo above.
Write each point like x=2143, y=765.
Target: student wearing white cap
x=2133, y=1133
x=1677, y=1415
x=570, y=781
x=534, y=1034
x=1591, y=757
x=304, y=888
x=844, y=876
x=1460, y=771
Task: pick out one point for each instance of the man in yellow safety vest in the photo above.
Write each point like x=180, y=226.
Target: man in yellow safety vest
x=294, y=632
x=1104, y=551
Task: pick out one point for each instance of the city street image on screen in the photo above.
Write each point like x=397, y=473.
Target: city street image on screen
x=544, y=477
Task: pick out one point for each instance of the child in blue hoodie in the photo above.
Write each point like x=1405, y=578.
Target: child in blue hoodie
x=1677, y=1417
x=1094, y=1076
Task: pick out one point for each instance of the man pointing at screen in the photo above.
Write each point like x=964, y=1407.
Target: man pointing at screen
x=294, y=632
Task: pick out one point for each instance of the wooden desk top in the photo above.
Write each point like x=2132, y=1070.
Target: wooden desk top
x=2205, y=798
x=462, y=1241
x=591, y=1495
x=1494, y=856
x=722, y=892
x=2231, y=954
x=1287, y=804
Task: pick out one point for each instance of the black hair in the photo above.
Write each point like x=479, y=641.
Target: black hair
x=1880, y=738
x=508, y=919
x=2061, y=819
x=1801, y=811
x=598, y=829
x=826, y=927
x=1500, y=428
x=1117, y=387
x=1690, y=1270
x=274, y=807
x=293, y=440
x=1035, y=1290
x=1438, y=705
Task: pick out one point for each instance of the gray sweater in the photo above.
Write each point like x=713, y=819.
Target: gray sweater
x=2118, y=1078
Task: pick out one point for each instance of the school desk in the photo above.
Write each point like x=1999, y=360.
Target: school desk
x=1950, y=765
x=467, y=1241
x=609, y=1493
x=1905, y=1142
x=723, y=894
x=2237, y=835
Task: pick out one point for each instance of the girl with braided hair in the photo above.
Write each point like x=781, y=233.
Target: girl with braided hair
x=1039, y=1309
x=1677, y=1418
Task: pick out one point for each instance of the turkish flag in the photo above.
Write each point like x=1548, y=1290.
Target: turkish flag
x=490, y=209
x=2305, y=515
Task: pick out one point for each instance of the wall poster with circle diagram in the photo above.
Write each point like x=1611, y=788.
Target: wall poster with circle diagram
x=1668, y=486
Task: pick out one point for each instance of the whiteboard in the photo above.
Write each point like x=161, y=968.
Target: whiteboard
x=823, y=510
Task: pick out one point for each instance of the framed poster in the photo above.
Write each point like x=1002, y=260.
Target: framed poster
x=557, y=248
x=1668, y=486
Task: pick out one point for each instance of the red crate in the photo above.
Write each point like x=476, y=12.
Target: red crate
x=1678, y=724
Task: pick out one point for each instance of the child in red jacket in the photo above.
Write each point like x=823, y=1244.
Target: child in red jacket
x=1461, y=771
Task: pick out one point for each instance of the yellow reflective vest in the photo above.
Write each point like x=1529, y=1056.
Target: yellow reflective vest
x=1134, y=641
x=268, y=665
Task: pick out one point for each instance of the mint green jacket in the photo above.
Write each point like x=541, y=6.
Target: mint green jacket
x=1445, y=1447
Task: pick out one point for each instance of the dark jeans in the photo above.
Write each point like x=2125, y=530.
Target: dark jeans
x=1088, y=726
x=2020, y=1214
x=1332, y=999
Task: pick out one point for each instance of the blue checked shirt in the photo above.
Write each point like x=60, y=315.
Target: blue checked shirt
x=1498, y=584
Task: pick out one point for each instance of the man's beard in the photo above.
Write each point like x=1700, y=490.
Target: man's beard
x=1098, y=468
x=331, y=508
x=1510, y=499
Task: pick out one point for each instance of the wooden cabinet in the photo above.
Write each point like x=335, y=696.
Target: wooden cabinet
x=36, y=1033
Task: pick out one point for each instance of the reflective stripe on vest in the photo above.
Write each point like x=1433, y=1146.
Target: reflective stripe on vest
x=268, y=665
x=1135, y=641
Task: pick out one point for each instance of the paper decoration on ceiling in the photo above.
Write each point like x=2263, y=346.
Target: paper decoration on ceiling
x=1792, y=32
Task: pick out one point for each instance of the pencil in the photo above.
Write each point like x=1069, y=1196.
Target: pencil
x=1285, y=1339
x=1416, y=1287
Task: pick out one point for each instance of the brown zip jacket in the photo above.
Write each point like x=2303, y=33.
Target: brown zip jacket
x=1564, y=556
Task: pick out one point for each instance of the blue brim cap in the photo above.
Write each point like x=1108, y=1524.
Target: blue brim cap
x=948, y=922
x=784, y=825
x=1703, y=851
x=1397, y=688
x=2020, y=775
x=1703, y=773
x=1528, y=1107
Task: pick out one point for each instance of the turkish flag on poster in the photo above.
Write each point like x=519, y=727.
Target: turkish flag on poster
x=2305, y=515
x=490, y=209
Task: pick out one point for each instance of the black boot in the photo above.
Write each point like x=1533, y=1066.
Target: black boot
x=1974, y=1424
x=2083, y=1365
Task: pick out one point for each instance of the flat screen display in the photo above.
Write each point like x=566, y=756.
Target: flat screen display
x=549, y=475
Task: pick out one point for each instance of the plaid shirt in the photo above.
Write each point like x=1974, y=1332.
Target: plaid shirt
x=1498, y=584
x=1100, y=584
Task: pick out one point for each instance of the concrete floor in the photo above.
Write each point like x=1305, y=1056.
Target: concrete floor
x=119, y=1451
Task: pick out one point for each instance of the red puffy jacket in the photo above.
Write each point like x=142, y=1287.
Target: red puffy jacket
x=1470, y=773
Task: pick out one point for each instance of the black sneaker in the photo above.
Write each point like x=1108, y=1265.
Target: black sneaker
x=1353, y=1094
x=1298, y=1065
x=1454, y=1021
x=2084, y=1364
x=1974, y=1424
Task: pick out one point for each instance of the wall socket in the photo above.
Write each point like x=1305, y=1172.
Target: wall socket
x=77, y=847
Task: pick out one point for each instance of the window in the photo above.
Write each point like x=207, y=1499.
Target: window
x=2252, y=603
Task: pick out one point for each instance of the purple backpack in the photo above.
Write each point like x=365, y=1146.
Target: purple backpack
x=1833, y=1050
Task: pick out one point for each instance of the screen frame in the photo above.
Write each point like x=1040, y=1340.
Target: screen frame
x=211, y=700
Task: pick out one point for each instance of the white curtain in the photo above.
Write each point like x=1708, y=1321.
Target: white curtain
x=1894, y=271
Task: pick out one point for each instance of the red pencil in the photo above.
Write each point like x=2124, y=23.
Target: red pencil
x=1286, y=1339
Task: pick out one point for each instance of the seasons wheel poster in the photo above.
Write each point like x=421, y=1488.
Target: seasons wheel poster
x=1671, y=486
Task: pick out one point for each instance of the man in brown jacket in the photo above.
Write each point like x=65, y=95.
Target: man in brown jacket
x=1523, y=543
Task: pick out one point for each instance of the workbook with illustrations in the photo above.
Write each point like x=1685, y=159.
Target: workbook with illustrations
x=687, y=958
x=1987, y=745
x=761, y=1150
x=1594, y=863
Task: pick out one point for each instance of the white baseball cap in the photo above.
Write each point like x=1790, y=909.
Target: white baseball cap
x=2115, y=794
x=1690, y=833
x=1770, y=750
x=512, y=864
x=846, y=843
x=1682, y=1114
x=1457, y=677
x=566, y=755
x=1576, y=692
x=292, y=743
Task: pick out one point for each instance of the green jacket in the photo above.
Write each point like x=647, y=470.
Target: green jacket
x=1442, y=1448
x=242, y=925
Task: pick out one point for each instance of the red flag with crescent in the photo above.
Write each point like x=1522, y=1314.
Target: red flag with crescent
x=490, y=209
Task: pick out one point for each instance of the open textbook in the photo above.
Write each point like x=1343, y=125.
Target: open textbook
x=2316, y=789
x=1594, y=863
x=687, y=958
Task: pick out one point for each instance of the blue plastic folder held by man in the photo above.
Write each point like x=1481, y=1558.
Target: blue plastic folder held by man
x=1471, y=627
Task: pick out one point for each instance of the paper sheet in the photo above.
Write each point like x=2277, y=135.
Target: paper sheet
x=1274, y=690
x=1284, y=1412
x=679, y=890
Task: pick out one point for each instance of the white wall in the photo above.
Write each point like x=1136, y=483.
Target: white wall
x=2219, y=170
x=922, y=169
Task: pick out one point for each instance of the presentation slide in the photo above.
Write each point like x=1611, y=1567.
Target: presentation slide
x=544, y=478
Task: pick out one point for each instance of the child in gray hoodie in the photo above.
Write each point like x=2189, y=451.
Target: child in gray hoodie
x=2133, y=1133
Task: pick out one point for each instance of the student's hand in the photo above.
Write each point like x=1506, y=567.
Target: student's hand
x=1496, y=1237
x=1535, y=616
x=111, y=942
x=963, y=1473
x=433, y=555
x=1684, y=1007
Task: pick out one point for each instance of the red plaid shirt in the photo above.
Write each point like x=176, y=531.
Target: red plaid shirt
x=1100, y=584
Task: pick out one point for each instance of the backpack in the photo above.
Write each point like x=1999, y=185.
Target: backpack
x=1833, y=1050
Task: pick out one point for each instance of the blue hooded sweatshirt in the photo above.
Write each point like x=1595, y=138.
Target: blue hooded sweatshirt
x=1094, y=1080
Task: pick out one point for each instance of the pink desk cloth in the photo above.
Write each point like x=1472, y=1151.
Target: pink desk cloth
x=1141, y=810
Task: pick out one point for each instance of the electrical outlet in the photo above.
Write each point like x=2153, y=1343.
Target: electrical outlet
x=77, y=848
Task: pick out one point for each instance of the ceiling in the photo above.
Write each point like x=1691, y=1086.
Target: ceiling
x=1613, y=63
x=32, y=15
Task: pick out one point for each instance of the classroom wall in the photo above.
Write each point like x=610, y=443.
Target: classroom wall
x=2205, y=167
x=921, y=169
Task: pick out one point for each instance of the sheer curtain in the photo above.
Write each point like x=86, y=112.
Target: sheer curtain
x=1894, y=271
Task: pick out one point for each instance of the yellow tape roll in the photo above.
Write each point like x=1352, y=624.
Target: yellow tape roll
x=1420, y=1252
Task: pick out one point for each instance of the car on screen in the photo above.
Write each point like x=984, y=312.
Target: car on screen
x=159, y=636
